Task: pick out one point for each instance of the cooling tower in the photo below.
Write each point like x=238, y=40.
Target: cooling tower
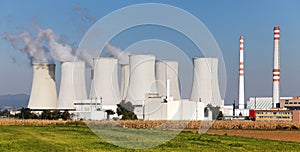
x=142, y=78
x=167, y=70
x=205, y=82
x=43, y=92
x=105, y=84
x=125, y=79
x=276, y=69
x=241, y=75
x=72, y=84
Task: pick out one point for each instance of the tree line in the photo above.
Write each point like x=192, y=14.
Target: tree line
x=26, y=113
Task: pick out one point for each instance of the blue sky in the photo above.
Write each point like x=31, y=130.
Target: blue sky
x=226, y=20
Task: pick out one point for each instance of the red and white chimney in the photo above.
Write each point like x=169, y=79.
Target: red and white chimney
x=241, y=77
x=276, y=69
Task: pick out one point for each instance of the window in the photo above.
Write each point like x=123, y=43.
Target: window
x=286, y=101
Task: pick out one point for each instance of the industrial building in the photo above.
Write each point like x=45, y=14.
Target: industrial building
x=72, y=85
x=43, y=91
x=276, y=115
x=152, y=87
x=292, y=103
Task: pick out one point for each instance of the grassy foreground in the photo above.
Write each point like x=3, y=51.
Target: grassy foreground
x=81, y=138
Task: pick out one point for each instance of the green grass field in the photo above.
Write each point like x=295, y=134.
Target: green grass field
x=81, y=138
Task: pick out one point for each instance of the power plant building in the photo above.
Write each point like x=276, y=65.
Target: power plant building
x=72, y=85
x=104, y=83
x=166, y=73
x=43, y=92
x=205, y=87
x=141, y=79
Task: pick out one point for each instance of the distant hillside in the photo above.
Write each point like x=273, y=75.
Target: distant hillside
x=13, y=101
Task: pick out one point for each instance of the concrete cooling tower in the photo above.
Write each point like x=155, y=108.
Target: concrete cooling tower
x=43, y=92
x=125, y=80
x=142, y=78
x=72, y=84
x=167, y=70
x=105, y=84
x=205, y=83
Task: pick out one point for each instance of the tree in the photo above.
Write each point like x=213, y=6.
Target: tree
x=220, y=116
x=26, y=114
x=56, y=114
x=5, y=113
x=66, y=115
x=46, y=114
x=129, y=116
x=126, y=110
x=108, y=113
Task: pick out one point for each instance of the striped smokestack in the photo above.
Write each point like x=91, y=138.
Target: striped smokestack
x=241, y=77
x=276, y=70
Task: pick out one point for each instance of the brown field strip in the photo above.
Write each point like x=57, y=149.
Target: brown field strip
x=264, y=134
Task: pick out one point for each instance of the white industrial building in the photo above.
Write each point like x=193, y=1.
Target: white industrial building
x=151, y=86
x=205, y=82
x=262, y=103
x=72, y=84
x=43, y=91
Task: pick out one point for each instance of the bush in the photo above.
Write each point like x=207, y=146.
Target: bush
x=129, y=116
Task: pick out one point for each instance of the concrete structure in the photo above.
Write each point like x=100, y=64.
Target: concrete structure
x=205, y=82
x=276, y=69
x=292, y=103
x=43, y=92
x=155, y=109
x=142, y=78
x=92, y=109
x=227, y=110
x=72, y=84
x=167, y=71
x=125, y=80
x=104, y=83
x=262, y=103
x=274, y=115
x=241, y=75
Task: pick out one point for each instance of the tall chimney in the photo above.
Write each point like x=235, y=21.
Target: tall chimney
x=276, y=70
x=241, y=77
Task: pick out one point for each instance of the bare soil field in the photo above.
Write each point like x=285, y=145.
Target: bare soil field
x=264, y=134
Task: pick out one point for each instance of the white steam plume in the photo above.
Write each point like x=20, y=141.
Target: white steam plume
x=117, y=53
x=84, y=13
x=42, y=48
x=83, y=55
x=32, y=46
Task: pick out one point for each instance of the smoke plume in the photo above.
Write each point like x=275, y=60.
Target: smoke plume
x=86, y=57
x=117, y=53
x=42, y=48
x=84, y=13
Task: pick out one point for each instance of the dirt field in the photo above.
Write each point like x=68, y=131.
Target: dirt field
x=274, y=135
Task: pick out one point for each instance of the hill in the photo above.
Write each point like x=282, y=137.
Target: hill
x=13, y=101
